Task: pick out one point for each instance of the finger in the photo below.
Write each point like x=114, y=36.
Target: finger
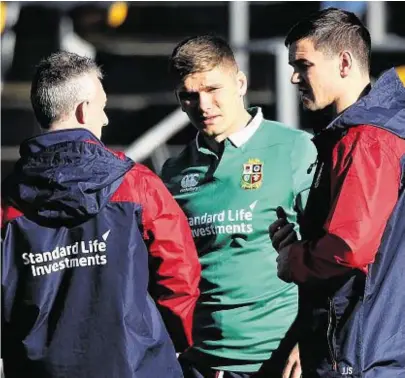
x=281, y=234
x=289, y=239
x=283, y=275
x=276, y=225
x=296, y=371
x=281, y=214
x=288, y=369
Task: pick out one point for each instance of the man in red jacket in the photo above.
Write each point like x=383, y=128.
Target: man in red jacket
x=80, y=225
x=349, y=265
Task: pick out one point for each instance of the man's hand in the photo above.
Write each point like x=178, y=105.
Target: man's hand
x=282, y=232
x=283, y=267
x=292, y=368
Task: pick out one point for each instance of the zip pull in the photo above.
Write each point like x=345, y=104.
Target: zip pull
x=309, y=170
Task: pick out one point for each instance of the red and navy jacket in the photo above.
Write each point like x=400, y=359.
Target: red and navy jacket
x=350, y=264
x=82, y=227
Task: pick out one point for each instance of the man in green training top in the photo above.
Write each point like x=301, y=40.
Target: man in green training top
x=229, y=182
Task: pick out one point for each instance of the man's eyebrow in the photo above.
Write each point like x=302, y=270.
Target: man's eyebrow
x=205, y=87
x=298, y=61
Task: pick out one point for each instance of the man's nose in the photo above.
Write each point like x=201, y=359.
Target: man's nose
x=205, y=101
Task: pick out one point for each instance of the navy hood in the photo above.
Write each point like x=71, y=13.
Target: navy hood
x=383, y=106
x=64, y=176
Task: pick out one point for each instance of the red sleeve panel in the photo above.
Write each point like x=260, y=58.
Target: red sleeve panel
x=8, y=213
x=174, y=255
x=365, y=180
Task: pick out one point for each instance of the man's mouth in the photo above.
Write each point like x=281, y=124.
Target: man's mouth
x=209, y=120
x=305, y=93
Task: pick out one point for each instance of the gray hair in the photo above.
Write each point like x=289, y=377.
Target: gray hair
x=56, y=87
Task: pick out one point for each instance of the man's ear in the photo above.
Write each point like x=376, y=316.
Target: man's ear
x=242, y=83
x=82, y=112
x=345, y=63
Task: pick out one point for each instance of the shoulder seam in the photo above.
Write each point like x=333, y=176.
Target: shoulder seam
x=9, y=214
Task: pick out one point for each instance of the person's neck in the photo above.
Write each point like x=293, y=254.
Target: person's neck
x=242, y=121
x=62, y=125
x=352, y=94
x=216, y=143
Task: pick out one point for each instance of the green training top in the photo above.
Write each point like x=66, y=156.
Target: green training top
x=244, y=309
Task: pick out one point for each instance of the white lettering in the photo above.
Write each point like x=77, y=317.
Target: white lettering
x=347, y=370
x=75, y=248
x=220, y=229
x=60, y=258
x=83, y=261
x=84, y=247
x=47, y=256
x=25, y=258
x=204, y=218
x=48, y=269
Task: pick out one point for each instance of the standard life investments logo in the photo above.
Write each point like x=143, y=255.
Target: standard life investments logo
x=77, y=255
x=226, y=221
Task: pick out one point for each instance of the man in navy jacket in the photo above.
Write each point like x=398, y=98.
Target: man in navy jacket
x=80, y=227
x=350, y=264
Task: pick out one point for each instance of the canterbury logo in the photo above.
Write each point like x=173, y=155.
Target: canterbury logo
x=189, y=181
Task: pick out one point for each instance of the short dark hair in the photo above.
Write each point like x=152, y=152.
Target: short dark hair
x=199, y=54
x=333, y=30
x=53, y=91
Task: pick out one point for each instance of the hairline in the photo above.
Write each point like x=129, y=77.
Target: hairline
x=226, y=63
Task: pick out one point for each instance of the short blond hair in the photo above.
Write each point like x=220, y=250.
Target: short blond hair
x=200, y=54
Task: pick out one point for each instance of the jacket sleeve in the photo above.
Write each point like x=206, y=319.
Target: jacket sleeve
x=175, y=268
x=364, y=189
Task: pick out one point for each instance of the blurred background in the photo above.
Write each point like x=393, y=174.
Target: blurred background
x=132, y=42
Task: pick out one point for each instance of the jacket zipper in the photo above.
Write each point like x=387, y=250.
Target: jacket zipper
x=330, y=336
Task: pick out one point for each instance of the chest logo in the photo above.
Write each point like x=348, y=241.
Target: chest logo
x=189, y=182
x=252, y=175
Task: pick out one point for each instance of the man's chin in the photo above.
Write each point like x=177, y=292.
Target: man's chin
x=208, y=131
x=310, y=106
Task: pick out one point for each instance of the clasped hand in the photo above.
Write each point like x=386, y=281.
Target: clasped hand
x=282, y=235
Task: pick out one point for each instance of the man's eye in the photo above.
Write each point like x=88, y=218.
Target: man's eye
x=304, y=65
x=185, y=96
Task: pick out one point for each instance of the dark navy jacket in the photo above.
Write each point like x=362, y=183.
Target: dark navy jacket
x=351, y=265
x=75, y=300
